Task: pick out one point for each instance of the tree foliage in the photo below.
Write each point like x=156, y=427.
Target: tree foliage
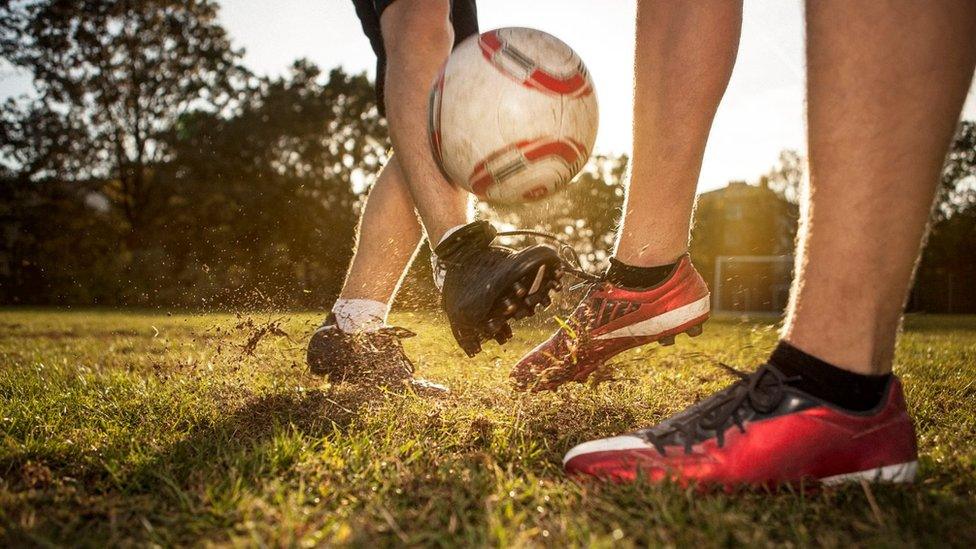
x=786, y=177
x=111, y=77
x=150, y=168
x=957, y=188
x=263, y=201
x=250, y=207
x=944, y=282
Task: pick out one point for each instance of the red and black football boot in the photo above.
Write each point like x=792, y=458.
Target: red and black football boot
x=611, y=320
x=366, y=358
x=761, y=432
x=486, y=285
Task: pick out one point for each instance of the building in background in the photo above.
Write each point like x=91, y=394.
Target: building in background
x=742, y=243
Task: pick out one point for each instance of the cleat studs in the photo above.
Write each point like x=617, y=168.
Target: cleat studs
x=468, y=340
x=667, y=341
x=502, y=336
x=694, y=331
x=499, y=330
x=495, y=325
x=471, y=349
x=510, y=306
x=520, y=289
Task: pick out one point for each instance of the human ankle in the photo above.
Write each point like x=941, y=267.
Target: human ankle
x=856, y=343
x=813, y=375
x=464, y=235
x=438, y=240
x=625, y=275
x=360, y=315
x=644, y=256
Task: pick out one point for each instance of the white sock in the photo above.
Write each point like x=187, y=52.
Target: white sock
x=360, y=315
x=435, y=263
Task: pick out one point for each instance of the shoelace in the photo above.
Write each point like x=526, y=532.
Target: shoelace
x=567, y=254
x=762, y=391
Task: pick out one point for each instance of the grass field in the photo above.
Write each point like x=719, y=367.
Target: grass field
x=130, y=428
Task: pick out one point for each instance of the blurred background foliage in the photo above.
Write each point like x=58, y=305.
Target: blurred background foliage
x=151, y=168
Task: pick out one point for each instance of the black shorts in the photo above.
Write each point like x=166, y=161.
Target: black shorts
x=464, y=18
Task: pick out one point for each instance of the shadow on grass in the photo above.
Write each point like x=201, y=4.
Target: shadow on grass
x=227, y=445
x=129, y=499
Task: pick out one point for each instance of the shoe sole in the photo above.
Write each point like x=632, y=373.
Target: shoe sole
x=898, y=473
x=527, y=295
x=692, y=328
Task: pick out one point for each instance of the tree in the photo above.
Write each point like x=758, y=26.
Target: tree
x=948, y=266
x=786, y=177
x=263, y=202
x=111, y=77
x=957, y=188
x=150, y=169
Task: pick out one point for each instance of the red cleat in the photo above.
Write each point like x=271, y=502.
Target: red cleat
x=611, y=320
x=761, y=432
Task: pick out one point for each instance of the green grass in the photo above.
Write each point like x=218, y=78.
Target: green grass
x=153, y=429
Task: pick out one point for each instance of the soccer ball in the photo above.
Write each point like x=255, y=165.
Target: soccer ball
x=513, y=115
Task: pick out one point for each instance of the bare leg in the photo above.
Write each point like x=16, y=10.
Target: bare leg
x=387, y=239
x=886, y=84
x=684, y=58
x=418, y=36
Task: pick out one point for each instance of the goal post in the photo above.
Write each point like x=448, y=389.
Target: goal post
x=751, y=284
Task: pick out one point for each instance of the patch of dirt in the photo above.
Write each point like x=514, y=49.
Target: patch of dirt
x=254, y=332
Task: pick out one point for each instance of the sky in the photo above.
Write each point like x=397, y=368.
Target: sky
x=761, y=114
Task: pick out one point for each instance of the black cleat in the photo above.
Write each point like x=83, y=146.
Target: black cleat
x=375, y=358
x=485, y=286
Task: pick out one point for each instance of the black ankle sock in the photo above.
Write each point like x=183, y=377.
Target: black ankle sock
x=629, y=276
x=828, y=382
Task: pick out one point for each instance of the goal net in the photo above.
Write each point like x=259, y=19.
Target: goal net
x=751, y=284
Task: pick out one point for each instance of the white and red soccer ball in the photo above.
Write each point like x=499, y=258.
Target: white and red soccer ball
x=513, y=115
